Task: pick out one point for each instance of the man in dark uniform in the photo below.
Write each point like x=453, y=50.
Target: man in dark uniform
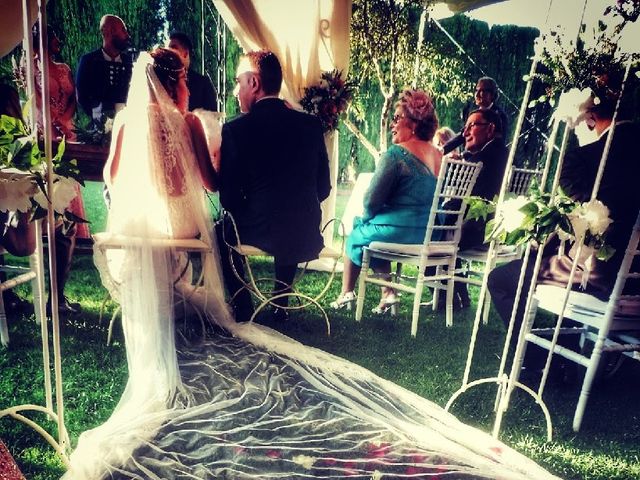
x=274, y=172
x=103, y=76
x=201, y=91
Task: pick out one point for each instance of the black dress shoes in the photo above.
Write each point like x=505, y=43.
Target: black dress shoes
x=65, y=307
x=13, y=303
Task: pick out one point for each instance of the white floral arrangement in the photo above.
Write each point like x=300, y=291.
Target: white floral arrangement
x=521, y=219
x=22, y=174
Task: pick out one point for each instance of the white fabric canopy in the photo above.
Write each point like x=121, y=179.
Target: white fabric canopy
x=11, y=23
x=308, y=36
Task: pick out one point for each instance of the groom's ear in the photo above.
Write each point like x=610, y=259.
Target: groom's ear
x=254, y=83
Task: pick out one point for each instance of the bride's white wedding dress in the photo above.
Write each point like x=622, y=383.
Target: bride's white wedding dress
x=251, y=403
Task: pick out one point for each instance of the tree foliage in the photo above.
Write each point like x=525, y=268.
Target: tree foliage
x=384, y=43
x=220, y=50
x=77, y=23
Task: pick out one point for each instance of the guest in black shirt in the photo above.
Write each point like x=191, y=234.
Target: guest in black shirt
x=201, y=91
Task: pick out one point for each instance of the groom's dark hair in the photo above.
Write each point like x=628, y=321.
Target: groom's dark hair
x=267, y=66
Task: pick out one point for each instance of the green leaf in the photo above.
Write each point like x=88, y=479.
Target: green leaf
x=19, y=154
x=516, y=237
x=479, y=208
x=605, y=252
x=529, y=209
x=60, y=153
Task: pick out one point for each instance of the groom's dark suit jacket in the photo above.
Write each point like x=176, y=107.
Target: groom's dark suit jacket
x=274, y=173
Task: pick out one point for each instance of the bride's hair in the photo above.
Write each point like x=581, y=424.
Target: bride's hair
x=168, y=67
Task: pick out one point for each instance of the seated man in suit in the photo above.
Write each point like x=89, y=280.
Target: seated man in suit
x=482, y=144
x=201, y=91
x=274, y=172
x=485, y=96
x=616, y=191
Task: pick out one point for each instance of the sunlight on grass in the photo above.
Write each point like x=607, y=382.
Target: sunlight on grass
x=431, y=365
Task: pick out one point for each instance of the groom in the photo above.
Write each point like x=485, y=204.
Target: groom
x=274, y=172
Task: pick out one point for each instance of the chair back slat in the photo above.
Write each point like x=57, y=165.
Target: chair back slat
x=520, y=180
x=455, y=184
x=625, y=296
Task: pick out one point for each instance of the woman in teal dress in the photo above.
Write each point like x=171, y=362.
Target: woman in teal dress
x=396, y=205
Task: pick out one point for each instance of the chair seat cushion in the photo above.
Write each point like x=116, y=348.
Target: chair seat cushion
x=437, y=249
x=108, y=240
x=582, y=304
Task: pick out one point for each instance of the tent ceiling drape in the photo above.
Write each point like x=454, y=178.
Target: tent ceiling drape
x=308, y=37
x=11, y=23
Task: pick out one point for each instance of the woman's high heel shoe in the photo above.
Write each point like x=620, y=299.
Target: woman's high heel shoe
x=345, y=300
x=389, y=302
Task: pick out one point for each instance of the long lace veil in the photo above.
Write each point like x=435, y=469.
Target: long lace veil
x=156, y=194
x=254, y=404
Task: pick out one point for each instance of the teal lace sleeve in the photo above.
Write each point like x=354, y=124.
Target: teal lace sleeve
x=384, y=179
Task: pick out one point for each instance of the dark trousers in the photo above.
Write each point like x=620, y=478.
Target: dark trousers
x=503, y=284
x=65, y=238
x=233, y=272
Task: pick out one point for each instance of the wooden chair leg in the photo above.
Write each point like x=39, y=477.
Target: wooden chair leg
x=4, y=330
x=486, y=308
x=417, y=299
x=362, y=285
x=587, y=383
x=450, y=294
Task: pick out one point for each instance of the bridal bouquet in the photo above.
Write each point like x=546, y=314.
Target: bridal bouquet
x=22, y=174
x=519, y=220
x=329, y=99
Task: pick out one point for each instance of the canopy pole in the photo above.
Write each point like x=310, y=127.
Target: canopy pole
x=202, y=35
x=53, y=294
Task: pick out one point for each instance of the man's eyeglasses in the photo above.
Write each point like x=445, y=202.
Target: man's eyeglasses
x=483, y=90
x=475, y=124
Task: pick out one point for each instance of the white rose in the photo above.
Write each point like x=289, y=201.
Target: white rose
x=572, y=105
x=64, y=190
x=591, y=216
x=596, y=214
x=509, y=215
x=304, y=460
x=578, y=222
x=15, y=194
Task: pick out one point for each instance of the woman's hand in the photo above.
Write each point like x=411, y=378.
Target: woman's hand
x=208, y=174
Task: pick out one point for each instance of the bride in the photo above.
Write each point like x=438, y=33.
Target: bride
x=249, y=402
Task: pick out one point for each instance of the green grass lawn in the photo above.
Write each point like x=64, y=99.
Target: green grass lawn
x=431, y=365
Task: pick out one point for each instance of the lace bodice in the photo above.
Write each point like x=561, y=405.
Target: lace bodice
x=173, y=152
